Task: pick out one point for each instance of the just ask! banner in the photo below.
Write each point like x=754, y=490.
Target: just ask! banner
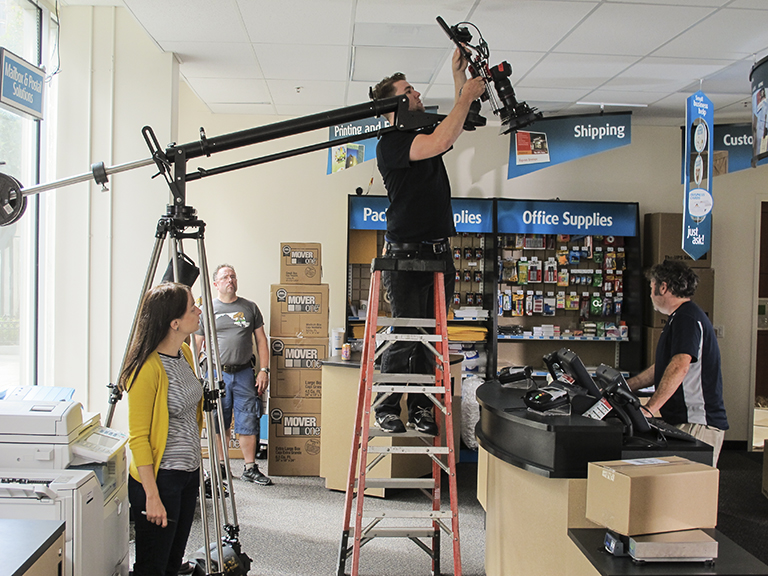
x=697, y=182
x=557, y=140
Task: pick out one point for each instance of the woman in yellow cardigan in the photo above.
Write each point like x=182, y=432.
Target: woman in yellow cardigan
x=164, y=419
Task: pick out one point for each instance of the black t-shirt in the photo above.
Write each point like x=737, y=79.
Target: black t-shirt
x=699, y=399
x=419, y=192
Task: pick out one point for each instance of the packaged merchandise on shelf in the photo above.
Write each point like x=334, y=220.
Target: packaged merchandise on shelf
x=300, y=263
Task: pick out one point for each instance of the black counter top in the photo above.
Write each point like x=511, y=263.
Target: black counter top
x=560, y=446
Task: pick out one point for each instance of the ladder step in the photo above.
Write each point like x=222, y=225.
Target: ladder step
x=404, y=378
x=410, y=337
x=413, y=514
x=399, y=532
x=408, y=449
x=409, y=389
x=406, y=322
x=404, y=483
x=409, y=433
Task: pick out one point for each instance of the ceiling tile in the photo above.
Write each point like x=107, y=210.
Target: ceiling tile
x=298, y=21
x=526, y=25
x=651, y=27
x=417, y=11
x=576, y=70
x=303, y=62
x=371, y=64
x=308, y=92
x=747, y=34
x=190, y=20
x=216, y=59
x=733, y=79
x=664, y=74
x=406, y=35
x=231, y=90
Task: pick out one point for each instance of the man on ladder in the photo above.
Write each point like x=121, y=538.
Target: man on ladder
x=419, y=225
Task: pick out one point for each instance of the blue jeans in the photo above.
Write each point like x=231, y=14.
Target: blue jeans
x=411, y=295
x=160, y=551
x=242, y=400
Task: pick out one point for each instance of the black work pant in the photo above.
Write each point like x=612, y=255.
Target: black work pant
x=160, y=551
x=411, y=295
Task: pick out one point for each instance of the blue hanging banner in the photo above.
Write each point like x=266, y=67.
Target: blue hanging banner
x=732, y=147
x=697, y=182
x=556, y=217
x=471, y=215
x=557, y=140
x=348, y=155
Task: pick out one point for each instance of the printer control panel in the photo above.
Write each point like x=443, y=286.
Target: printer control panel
x=99, y=444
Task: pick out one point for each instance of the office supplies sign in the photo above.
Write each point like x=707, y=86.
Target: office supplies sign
x=21, y=86
x=697, y=166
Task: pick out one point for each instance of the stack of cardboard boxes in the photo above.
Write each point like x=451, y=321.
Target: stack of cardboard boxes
x=663, y=241
x=298, y=332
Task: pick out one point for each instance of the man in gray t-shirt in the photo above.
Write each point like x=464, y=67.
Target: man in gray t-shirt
x=238, y=321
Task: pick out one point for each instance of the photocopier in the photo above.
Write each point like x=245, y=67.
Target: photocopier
x=59, y=463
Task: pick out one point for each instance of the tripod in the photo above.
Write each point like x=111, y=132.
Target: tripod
x=181, y=223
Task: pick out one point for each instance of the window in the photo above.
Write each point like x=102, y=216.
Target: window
x=21, y=32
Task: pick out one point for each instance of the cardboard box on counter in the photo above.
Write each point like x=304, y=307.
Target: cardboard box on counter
x=299, y=311
x=294, y=437
x=650, y=495
x=295, y=367
x=663, y=240
x=300, y=263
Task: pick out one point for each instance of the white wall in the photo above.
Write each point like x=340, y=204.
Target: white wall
x=250, y=211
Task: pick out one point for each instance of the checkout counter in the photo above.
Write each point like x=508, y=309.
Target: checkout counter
x=59, y=464
x=532, y=481
x=341, y=379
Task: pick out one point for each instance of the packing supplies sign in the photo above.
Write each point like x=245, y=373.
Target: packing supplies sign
x=471, y=215
x=21, y=85
x=347, y=154
x=697, y=175
x=558, y=140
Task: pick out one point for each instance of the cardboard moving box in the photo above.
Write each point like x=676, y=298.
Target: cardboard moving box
x=300, y=263
x=650, y=495
x=663, y=240
x=294, y=436
x=299, y=311
x=295, y=367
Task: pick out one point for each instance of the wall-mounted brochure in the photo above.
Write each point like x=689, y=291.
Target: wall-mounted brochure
x=556, y=140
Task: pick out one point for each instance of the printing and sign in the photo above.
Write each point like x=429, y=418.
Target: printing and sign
x=472, y=215
x=697, y=180
x=556, y=217
x=21, y=86
x=350, y=154
x=558, y=140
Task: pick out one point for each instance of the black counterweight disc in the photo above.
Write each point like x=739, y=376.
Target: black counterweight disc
x=12, y=201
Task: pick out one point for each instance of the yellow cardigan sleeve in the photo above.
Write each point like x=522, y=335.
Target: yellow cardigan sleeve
x=147, y=409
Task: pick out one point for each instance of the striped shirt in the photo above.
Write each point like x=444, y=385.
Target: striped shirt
x=182, y=449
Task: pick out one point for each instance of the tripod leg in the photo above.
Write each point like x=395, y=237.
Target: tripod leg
x=149, y=277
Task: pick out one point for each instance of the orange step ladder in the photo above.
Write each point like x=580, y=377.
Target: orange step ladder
x=422, y=527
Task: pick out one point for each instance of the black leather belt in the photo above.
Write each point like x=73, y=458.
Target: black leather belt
x=234, y=368
x=434, y=247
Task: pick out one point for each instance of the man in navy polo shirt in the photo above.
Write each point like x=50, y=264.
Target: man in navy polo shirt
x=686, y=373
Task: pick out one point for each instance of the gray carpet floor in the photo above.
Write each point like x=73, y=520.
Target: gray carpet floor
x=294, y=528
